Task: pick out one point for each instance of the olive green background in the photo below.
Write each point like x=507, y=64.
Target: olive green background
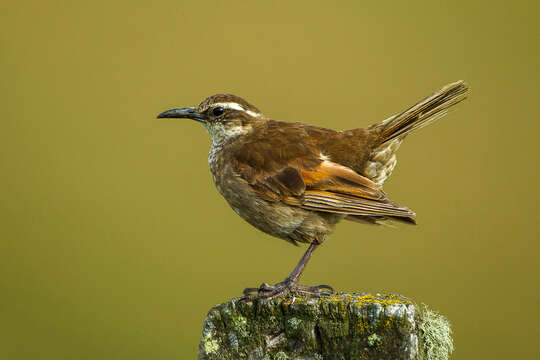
x=114, y=241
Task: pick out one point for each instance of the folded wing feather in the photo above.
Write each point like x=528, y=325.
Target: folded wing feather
x=329, y=187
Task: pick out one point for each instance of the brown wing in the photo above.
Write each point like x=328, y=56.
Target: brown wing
x=333, y=188
x=294, y=171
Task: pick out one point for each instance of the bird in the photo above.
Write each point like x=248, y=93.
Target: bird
x=296, y=181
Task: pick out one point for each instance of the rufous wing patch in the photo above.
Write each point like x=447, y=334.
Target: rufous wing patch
x=331, y=176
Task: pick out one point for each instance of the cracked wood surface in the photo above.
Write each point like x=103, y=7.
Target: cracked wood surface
x=341, y=326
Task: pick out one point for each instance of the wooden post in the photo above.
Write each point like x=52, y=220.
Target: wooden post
x=340, y=326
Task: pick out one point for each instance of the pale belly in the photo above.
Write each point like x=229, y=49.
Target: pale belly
x=290, y=223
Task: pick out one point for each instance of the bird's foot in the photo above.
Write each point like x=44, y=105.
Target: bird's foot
x=267, y=291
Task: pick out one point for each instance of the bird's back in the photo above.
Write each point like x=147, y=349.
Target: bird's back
x=278, y=143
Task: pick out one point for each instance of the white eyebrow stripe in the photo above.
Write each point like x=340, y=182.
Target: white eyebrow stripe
x=230, y=105
x=236, y=106
x=252, y=113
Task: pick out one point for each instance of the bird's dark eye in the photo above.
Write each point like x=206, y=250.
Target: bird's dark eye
x=218, y=111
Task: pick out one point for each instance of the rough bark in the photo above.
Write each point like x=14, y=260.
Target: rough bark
x=341, y=326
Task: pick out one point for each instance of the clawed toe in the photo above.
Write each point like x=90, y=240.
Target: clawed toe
x=250, y=291
x=325, y=290
x=330, y=290
x=267, y=291
x=264, y=287
x=316, y=291
x=290, y=284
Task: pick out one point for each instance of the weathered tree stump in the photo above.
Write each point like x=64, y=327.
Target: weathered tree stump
x=340, y=326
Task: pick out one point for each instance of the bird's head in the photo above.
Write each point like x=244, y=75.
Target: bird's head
x=225, y=116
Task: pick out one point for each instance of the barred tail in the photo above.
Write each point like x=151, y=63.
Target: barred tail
x=390, y=132
x=424, y=112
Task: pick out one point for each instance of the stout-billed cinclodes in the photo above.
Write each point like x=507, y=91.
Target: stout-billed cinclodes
x=297, y=181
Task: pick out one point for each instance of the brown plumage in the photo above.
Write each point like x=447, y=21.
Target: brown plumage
x=302, y=166
x=296, y=181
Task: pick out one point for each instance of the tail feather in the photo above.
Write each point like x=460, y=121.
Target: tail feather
x=424, y=112
x=390, y=132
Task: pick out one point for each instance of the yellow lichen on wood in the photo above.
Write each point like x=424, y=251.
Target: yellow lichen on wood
x=355, y=326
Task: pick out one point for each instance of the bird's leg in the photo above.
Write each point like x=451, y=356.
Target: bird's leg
x=290, y=284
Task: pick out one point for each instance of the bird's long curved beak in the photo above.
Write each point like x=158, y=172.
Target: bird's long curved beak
x=188, y=113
